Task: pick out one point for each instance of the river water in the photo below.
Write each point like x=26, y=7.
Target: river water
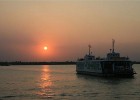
x=60, y=82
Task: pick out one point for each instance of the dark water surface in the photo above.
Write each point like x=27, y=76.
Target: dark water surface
x=60, y=82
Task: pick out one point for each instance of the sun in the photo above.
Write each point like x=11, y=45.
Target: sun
x=45, y=47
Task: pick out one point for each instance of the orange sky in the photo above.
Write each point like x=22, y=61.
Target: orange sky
x=67, y=27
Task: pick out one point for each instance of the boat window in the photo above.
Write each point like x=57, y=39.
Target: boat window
x=81, y=59
x=90, y=58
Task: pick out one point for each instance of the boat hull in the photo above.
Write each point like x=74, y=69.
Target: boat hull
x=105, y=68
x=106, y=75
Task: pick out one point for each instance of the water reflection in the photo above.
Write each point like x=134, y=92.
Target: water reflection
x=45, y=84
x=105, y=80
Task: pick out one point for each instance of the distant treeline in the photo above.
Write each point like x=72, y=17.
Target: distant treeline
x=44, y=63
x=136, y=62
x=37, y=63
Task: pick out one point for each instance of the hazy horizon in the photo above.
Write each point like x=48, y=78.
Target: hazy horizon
x=67, y=27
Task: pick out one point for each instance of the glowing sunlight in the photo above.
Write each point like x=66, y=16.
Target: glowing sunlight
x=45, y=47
x=45, y=83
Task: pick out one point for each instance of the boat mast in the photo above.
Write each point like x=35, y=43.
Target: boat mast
x=89, y=48
x=113, y=44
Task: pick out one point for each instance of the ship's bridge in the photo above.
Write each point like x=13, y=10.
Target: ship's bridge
x=89, y=57
x=113, y=55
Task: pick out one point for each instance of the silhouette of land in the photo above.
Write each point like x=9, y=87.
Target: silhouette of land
x=136, y=62
x=46, y=63
x=37, y=63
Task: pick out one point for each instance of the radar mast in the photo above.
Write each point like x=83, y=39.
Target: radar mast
x=89, y=48
x=113, y=45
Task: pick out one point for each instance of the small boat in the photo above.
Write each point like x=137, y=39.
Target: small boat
x=112, y=65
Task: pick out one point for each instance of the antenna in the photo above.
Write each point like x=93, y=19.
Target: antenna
x=110, y=50
x=89, y=48
x=113, y=44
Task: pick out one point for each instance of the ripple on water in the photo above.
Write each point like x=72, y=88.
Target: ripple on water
x=45, y=95
x=7, y=97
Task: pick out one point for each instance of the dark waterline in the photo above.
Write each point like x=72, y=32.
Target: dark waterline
x=45, y=63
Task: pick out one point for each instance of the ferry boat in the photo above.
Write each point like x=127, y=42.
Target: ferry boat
x=112, y=65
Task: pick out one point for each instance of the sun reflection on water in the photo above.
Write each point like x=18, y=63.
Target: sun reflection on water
x=45, y=84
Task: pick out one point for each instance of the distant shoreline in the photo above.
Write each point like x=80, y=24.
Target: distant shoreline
x=136, y=62
x=45, y=63
x=37, y=63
